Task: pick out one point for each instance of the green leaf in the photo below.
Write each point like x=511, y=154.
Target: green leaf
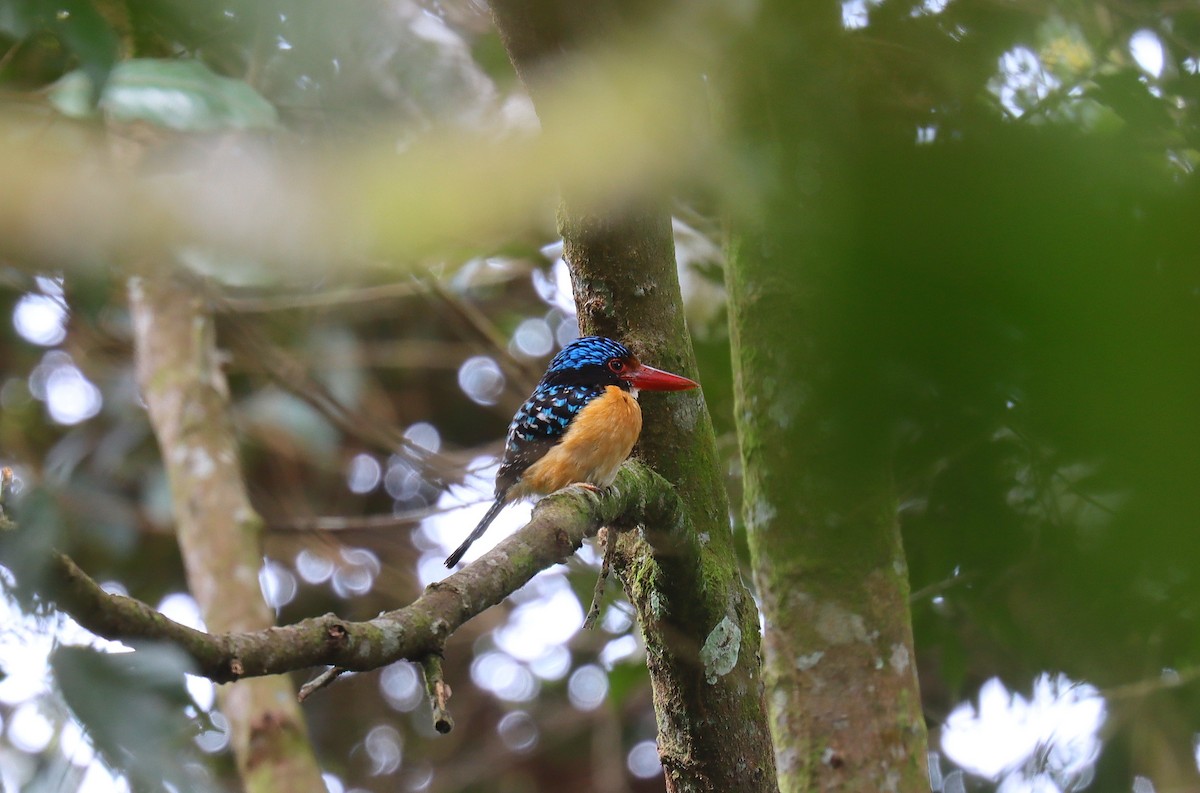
x=76, y=24
x=85, y=33
x=181, y=95
x=132, y=705
x=26, y=549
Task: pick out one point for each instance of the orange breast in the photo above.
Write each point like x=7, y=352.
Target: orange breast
x=599, y=439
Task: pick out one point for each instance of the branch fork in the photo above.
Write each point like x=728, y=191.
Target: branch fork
x=416, y=632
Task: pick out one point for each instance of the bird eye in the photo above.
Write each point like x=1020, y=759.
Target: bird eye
x=616, y=365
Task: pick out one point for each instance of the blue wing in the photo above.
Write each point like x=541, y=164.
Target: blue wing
x=538, y=425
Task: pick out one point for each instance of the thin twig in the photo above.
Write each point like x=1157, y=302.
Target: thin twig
x=334, y=523
x=321, y=300
x=291, y=375
x=938, y=587
x=608, y=537
x=354, y=296
x=524, y=372
x=1144, y=688
x=10, y=53
x=438, y=691
x=319, y=682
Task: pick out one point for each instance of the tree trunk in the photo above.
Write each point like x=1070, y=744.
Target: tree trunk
x=827, y=557
x=819, y=503
x=699, y=622
x=218, y=530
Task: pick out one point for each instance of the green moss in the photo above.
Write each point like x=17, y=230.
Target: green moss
x=623, y=269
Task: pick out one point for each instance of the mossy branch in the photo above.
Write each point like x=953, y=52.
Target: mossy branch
x=558, y=527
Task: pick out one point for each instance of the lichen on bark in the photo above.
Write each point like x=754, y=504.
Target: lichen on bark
x=712, y=728
x=818, y=499
x=218, y=531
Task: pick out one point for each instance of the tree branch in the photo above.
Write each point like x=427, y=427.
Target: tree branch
x=559, y=525
x=438, y=692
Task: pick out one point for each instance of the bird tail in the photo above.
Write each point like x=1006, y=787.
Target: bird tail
x=492, y=512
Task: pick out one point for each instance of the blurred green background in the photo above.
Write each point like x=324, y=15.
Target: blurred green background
x=1015, y=309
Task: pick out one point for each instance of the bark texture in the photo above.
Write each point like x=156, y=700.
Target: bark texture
x=218, y=531
x=698, y=620
x=560, y=524
x=819, y=502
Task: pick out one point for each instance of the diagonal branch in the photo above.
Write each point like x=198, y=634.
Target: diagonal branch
x=559, y=525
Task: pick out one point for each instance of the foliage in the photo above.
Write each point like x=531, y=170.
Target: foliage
x=1013, y=279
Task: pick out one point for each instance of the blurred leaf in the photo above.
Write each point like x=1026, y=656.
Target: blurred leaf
x=326, y=345
x=75, y=23
x=228, y=269
x=1128, y=94
x=26, y=549
x=1002, y=276
x=132, y=707
x=180, y=95
x=290, y=424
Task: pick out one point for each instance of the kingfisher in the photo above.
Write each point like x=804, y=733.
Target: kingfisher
x=577, y=427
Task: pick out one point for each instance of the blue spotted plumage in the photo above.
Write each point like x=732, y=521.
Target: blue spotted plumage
x=547, y=448
x=539, y=424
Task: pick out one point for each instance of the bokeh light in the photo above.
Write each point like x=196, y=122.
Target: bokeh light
x=1022, y=81
x=384, y=746
x=643, y=761
x=533, y=338
x=402, y=480
x=549, y=616
x=1060, y=722
x=41, y=320
x=363, y=474
x=216, y=739
x=182, y=608
x=518, y=731
x=277, y=583
x=202, y=691
x=313, y=567
x=402, y=686
x=69, y=396
x=505, y=677
x=424, y=435
x=356, y=574
x=553, y=664
x=1147, y=50
x=587, y=687
x=618, y=650
x=28, y=729
x=458, y=509
x=481, y=380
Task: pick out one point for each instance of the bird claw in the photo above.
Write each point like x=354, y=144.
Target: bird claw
x=587, y=486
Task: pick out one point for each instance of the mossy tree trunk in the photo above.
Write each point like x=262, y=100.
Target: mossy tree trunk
x=698, y=620
x=819, y=503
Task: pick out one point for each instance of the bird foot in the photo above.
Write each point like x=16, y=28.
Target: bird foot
x=587, y=486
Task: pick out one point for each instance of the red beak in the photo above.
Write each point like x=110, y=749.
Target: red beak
x=647, y=378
